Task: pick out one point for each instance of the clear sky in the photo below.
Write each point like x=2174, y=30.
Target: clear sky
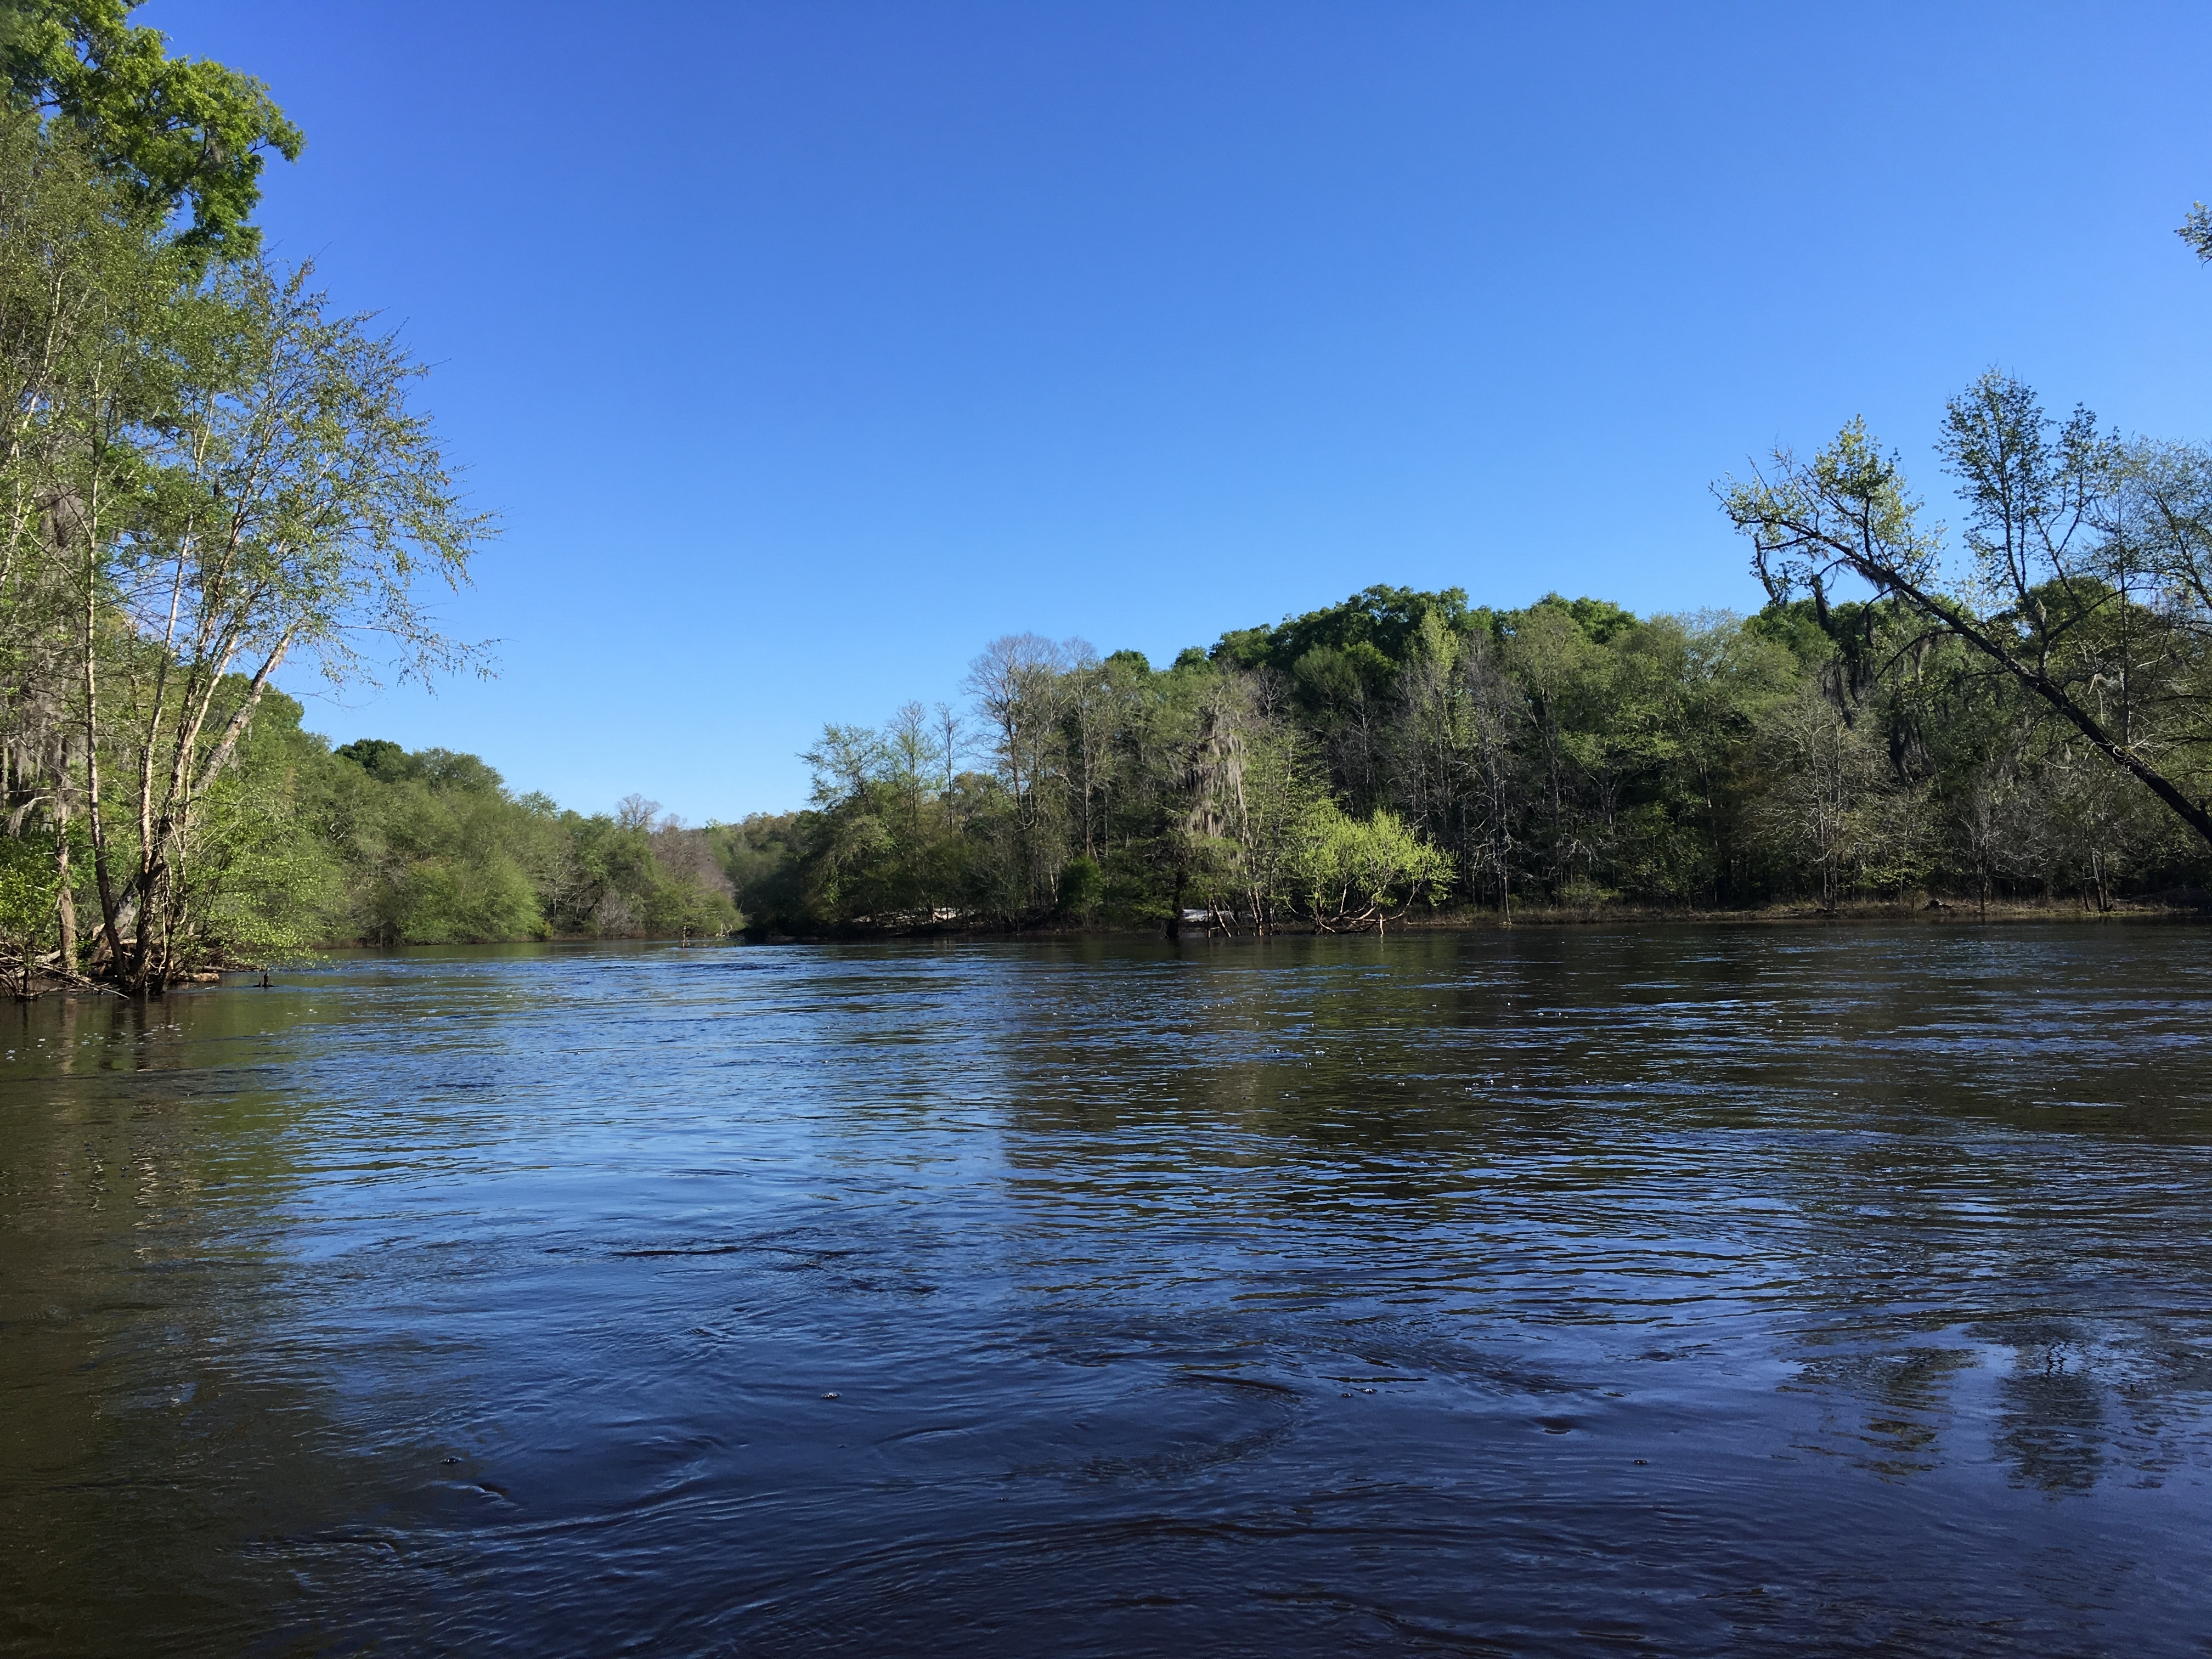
x=804, y=347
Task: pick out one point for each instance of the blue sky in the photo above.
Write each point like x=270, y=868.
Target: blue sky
x=803, y=348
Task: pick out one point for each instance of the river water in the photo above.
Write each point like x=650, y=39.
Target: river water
x=1709, y=1291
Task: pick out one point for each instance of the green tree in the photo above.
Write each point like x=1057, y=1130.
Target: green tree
x=2058, y=574
x=179, y=133
x=287, y=501
x=30, y=890
x=1351, y=871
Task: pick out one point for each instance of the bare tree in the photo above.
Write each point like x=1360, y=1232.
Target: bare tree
x=950, y=733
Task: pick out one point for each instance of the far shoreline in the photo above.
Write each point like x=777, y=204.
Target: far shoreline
x=1947, y=913
x=2191, y=910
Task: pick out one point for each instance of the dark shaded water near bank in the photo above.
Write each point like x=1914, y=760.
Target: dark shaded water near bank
x=1710, y=1290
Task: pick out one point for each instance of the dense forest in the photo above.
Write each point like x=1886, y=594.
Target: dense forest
x=1404, y=752
x=369, y=844
x=2019, y=711
x=209, y=476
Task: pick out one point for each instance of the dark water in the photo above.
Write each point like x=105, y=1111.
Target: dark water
x=1713, y=1291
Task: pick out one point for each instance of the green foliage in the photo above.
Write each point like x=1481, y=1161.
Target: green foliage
x=178, y=132
x=763, y=856
x=2081, y=579
x=299, y=847
x=1405, y=748
x=1082, y=887
x=1374, y=628
x=381, y=759
x=436, y=850
x=209, y=476
x=432, y=865
x=30, y=889
x=2197, y=231
x=1349, y=872
x=261, y=881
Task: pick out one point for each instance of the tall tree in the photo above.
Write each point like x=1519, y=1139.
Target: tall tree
x=289, y=500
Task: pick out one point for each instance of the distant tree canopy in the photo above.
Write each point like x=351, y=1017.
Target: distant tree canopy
x=386, y=846
x=1404, y=749
x=384, y=761
x=2029, y=714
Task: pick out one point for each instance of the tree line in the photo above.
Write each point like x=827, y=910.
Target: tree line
x=2023, y=711
x=2024, y=714
x=209, y=476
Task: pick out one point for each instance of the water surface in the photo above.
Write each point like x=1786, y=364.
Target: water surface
x=1743, y=1291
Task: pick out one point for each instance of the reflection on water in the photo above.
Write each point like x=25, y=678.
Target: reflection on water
x=1749, y=1291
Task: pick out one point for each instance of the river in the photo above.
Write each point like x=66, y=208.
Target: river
x=1701, y=1290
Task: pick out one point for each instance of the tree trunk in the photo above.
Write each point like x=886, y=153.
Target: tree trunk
x=64, y=901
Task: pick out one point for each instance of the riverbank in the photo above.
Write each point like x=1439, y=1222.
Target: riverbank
x=2186, y=905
